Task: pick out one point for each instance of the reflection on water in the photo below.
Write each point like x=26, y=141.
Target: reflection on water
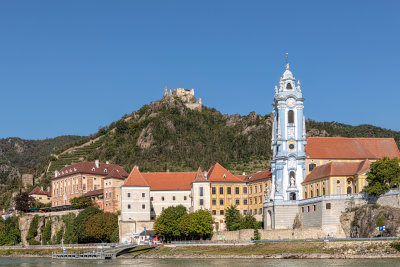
x=33, y=262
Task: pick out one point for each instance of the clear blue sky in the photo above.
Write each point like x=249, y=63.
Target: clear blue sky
x=68, y=67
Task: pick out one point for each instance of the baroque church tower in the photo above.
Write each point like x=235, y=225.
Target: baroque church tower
x=288, y=141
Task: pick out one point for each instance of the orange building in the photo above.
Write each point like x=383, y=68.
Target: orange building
x=82, y=179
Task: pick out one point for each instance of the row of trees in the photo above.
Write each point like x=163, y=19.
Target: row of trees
x=177, y=223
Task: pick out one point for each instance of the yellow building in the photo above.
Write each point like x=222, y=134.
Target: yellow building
x=258, y=185
x=338, y=165
x=40, y=195
x=247, y=193
x=336, y=178
x=226, y=190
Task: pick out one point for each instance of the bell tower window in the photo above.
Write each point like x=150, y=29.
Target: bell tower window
x=289, y=86
x=290, y=116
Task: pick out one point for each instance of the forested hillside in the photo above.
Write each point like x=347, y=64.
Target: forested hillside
x=164, y=135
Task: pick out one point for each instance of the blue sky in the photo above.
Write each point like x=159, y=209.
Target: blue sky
x=68, y=67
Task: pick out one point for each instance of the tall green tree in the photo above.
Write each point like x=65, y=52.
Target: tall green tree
x=167, y=224
x=383, y=175
x=80, y=224
x=197, y=225
x=101, y=226
x=248, y=222
x=233, y=219
x=9, y=232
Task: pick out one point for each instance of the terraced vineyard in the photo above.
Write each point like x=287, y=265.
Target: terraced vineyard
x=77, y=155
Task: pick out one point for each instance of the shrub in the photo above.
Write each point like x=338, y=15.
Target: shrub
x=81, y=202
x=32, y=232
x=47, y=233
x=380, y=221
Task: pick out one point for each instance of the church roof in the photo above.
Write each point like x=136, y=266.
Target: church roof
x=351, y=148
x=338, y=169
x=217, y=173
x=135, y=178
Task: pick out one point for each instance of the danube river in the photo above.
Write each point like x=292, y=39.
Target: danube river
x=30, y=262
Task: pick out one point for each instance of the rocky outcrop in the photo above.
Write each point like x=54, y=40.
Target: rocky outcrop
x=44, y=218
x=363, y=221
x=146, y=138
x=317, y=133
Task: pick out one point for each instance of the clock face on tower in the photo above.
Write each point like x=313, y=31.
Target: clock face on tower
x=290, y=102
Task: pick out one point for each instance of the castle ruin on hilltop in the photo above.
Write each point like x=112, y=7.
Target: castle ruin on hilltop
x=186, y=95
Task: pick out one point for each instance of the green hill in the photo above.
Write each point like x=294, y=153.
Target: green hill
x=165, y=135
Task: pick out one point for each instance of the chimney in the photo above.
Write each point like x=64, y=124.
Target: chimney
x=48, y=189
x=167, y=170
x=41, y=188
x=97, y=163
x=243, y=173
x=107, y=162
x=205, y=175
x=55, y=173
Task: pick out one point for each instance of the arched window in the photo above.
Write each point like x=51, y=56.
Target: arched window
x=311, y=194
x=292, y=196
x=349, y=190
x=289, y=86
x=323, y=191
x=317, y=193
x=311, y=167
x=291, y=116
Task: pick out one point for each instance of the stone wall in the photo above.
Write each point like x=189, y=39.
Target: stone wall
x=248, y=234
x=391, y=200
x=128, y=228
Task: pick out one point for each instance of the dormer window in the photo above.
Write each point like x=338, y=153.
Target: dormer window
x=224, y=176
x=105, y=170
x=289, y=86
x=93, y=169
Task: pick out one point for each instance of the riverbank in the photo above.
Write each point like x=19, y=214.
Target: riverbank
x=277, y=250
x=267, y=250
x=33, y=253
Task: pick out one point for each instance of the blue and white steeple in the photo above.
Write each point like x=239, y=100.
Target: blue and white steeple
x=288, y=140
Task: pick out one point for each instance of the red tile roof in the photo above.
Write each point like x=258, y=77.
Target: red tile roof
x=38, y=191
x=115, y=174
x=90, y=168
x=217, y=173
x=258, y=176
x=93, y=193
x=166, y=181
x=200, y=176
x=351, y=148
x=338, y=169
x=135, y=178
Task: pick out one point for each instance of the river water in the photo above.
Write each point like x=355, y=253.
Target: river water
x=36, y=262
